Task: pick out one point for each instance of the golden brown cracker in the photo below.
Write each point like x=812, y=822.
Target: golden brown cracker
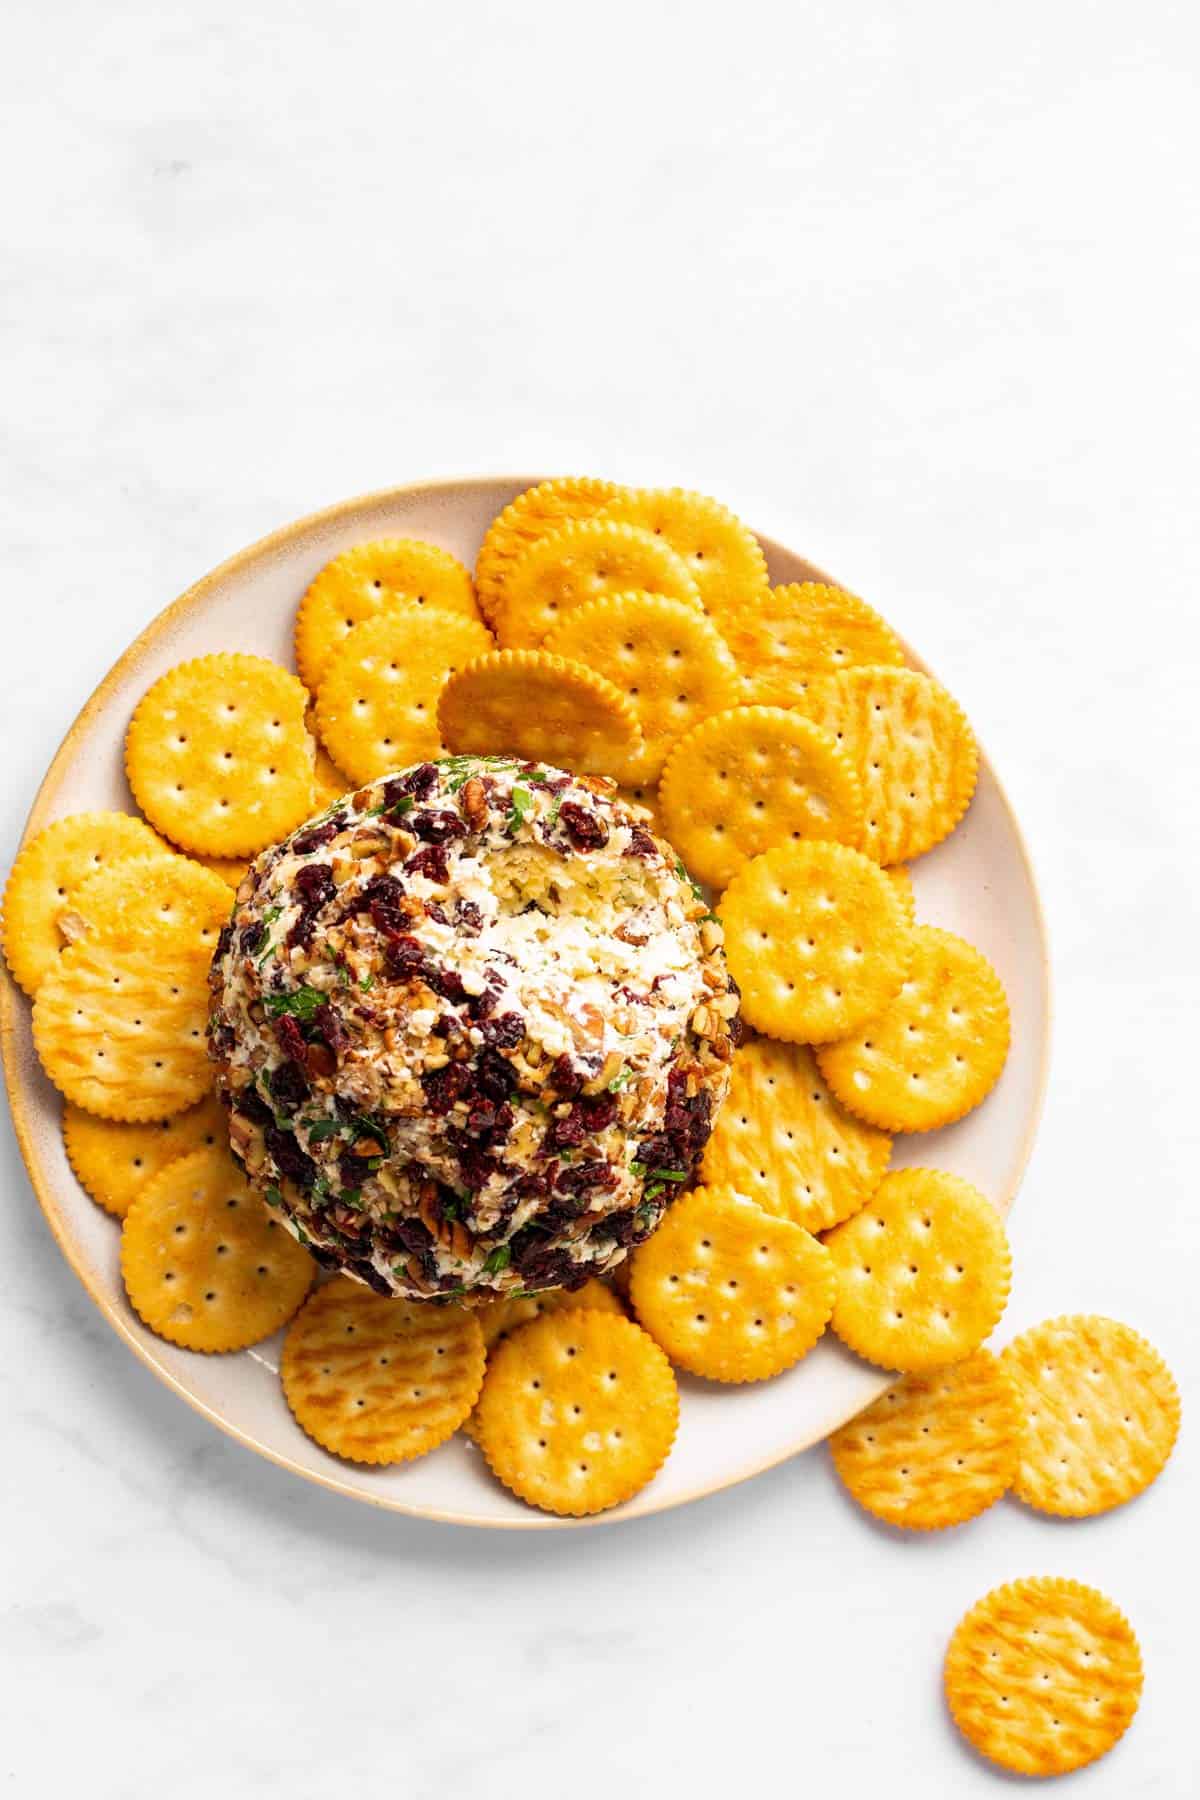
x=901, y=880
x=936, y=1449
x=114, y=1161
x=723, y=556
x=204, y=1263
x=537, y=513
x=168, y=897
x=500, y=1318
x=783, y=1140
x=1099, y=1414
x=542, y=707
x=730, y=1292
x=218, y=757
x=578, y=1411
x=585, y=562
x=232, y=870
x=816, y=940
x=785, y=641
x=937, y=1050
x=46, y=875
x=1043, y=1675
x=923, y=1271
x=368, y=580
x=752, y=778
x=330, y=784
x=378, y=1380
x=377, y=706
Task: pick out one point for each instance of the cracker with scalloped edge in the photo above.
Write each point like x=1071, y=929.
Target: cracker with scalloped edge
x=1043, y=1675
x=500, y=1318
x=528, y=703
x=936, y=1051
x=368, y=580
x=912, y=748
x=923, y=1271
x=232, y=870
x=816, y=939
x=120, y=1033
x=204, y=1264
x=537, y=513
x=330, y=785
x=578, y=1411
x=730, y=1292
x=589, y=561
x=377, y=707
x=48, y=872
x=801, y=631
x=378, y=1380
x=938, y=1448
x=749, y=779
x=782, y=1139
x=218, y=756
x=114, y=1161
x=168, y=897
x=1099, y=1414
x=667, y=658
x=723, y=556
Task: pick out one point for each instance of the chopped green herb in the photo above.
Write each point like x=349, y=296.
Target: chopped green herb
x=620, y=1081
x=301, y=1003
x=404, y=804
x=367, y=983
x=450, y=1209
x=637, y=1168
x=668, y=1174
x=522, y=800
x=339, y=963
x=453, y=1293
x=644, y=1217
x=320, y=1129
x=274, y=1197
x=301, y=1234
x=268, y=919
x=684, y=876
x=555, y=808
x=499, y=1259
x=654, y=1190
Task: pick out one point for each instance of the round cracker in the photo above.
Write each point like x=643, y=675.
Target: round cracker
x=783, y=1140
x=1099, y=1414
x=802, y=631
x=167, y=897
x=330, y=785
x=912, y=749
x=120, y=1033
x=752, y=778
x=730, y=1292
x=377, y=705
x=114, y=1161
x=923, y=1271
x=578, y=1411
x=528, y=703
x=1043, y=1675
x=936, y=1449
x=377, y=1380
x=723, y=556
x=816, y=939
x=500, y=1318
x=232, y=870
x=205, y=1265
x=218, y=757
x=537, y=513
x=369, y=580
x=901, y=880
x=939, y=1048
x=47, y=874
x=664, y=656
x=589, y=561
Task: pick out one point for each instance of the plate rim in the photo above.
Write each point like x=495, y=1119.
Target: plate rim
x=21, y=1102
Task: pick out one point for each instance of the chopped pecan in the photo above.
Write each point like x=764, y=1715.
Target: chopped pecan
x=474, y=804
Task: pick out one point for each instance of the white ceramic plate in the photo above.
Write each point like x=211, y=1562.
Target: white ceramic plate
x=979, y=883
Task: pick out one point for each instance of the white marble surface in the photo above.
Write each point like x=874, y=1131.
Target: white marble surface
x=914, y=287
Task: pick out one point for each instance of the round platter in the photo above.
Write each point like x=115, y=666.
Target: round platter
x=978, y=883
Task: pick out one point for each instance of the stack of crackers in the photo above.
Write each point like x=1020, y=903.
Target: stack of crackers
x=779, y=738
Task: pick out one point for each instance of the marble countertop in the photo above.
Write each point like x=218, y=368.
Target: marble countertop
x=912, y=288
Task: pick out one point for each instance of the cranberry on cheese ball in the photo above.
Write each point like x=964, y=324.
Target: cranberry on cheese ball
x=472, y=1026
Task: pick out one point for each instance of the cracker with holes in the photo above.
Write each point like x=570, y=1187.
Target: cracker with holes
x=936, y=1449
x=590, y=561
x=1043, y=1676
x=537, y=513
x=120, y=1033
x=1099, y=1414
x=378, y=1380
x=816, y=939
x=750, y=779
x=369, y=580
x=168, y=897
x=218, y=756
x=542, y=707
x=923, y=1271
x=48, y=873
x=330, y=785
x=578, y=1411
x=665, y=657
x=937, y=1050
x=723, y=556
x=377, y=705
x=912, y=749
x=730, y=1292
x=783, y=1140
x=803, y=631
x=500, y=1318
x=205, y=1265
x=114, y=1161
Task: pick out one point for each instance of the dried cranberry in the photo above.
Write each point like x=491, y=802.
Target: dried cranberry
x=446, y=982
x=436, y=827
x=599, y=1111
x=405, y=958
x=252, y=936
x=475, y=1166
x=301, y=935
x=531, y=1187
x=289, y=1086
x=328, y=1259
x=224, y=939
x=468, y=918
x=430, y=861
x=419, y=782
x=619, y=1226
x=316, y=835
x=405, y=1234
x=584, y=829
x=481, y=1118
x=437, y=911
x=563, y=1134
x=250, y=1104
x=289, y=1158
x=640, y=843
x=482, y=1006
x=366, y=1271
x=565, y=1078
x=314, y=885
x=737, y=1030
x=445, y=1086
x=289, y=1037
x=495, y=1077
x=505, y=1033
x=583, y=1178
x=330, y=1028
x=385, y=890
